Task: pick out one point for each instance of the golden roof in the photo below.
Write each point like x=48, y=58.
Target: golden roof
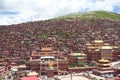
x=106, y=47
x=32, y=74
x=46, y=49
x=103, y=60
x=107, y=44
x=114, y=46
x=78, y=54
x=98, y=41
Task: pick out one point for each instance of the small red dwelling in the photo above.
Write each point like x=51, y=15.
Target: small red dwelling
x=117, y=78
x=2, y=69
x=30, y=78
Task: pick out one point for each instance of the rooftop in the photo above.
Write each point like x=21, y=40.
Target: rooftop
x=98, y=41
x=106, y=47
x=78, y=54
x=107, y=44
x=30, y=78
x=43, y=57
x=46, y=49
x=109, y=71
x=103, y=60
x=32, y=74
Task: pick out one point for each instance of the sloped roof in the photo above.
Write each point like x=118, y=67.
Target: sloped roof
x=78, y=54
x=30, y=78
x=46, y=48
x=106, y=47
x=98, y=41
x=103, y=60
x=32, y=74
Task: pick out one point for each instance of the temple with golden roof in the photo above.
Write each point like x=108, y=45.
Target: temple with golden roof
x=48, y=61
x=98, y=49
x=77, y=58
x=103, y=67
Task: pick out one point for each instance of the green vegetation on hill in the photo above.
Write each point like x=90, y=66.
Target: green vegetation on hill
x=92, y=15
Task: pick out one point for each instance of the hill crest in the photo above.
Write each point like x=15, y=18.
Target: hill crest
x=92, y=15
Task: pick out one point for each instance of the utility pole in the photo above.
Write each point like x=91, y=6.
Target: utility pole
x=31, y=19
x=71, y=75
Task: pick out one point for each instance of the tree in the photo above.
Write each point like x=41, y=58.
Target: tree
x=81, y=64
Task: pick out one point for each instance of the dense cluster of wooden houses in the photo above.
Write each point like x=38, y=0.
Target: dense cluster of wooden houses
x=77, y=43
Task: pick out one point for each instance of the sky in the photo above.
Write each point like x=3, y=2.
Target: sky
x=19, y=11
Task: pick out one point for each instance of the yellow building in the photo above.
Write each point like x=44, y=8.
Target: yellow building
x=77, y=58
x=103, y=67
x=98, y=49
